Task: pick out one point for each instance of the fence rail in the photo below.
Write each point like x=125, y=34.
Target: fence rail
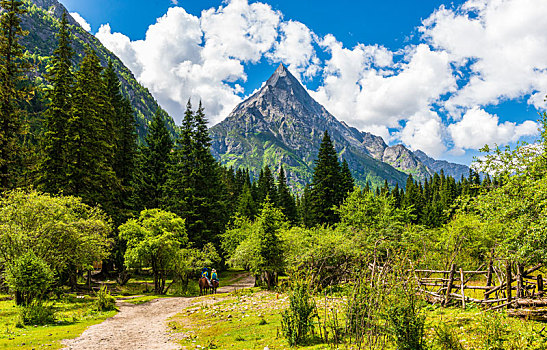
x=450, y=286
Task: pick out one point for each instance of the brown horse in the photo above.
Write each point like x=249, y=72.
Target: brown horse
x=214, y=287
x=203, y=286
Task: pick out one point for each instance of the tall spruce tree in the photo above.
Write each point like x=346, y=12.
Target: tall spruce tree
x=266, y=186
x=89, y=146
x=325, y=192
x=285, y=200
x=53, y=167
x=209, y=201
x=153, y=163
x=347, y=183
x=12, y=95
x=194, y=187
x=124, y=139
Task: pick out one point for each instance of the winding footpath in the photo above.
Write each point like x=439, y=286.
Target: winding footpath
x=141, y=326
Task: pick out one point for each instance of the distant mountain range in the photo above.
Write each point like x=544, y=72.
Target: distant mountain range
x=283, y=124
x=42, y=23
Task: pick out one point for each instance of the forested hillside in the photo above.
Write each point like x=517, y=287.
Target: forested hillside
x=42, y=23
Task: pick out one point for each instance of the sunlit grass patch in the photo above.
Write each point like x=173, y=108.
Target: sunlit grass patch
x=73, y=315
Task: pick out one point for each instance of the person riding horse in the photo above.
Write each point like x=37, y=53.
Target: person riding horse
x=204, y=274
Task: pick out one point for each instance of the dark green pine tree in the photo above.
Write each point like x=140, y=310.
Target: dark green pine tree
x=304, y=207
x=246, y=206
x=194, y=188
x=53, y=166
x=153, y=163
x=12, y=74
x=347, y=183
x=325, y=192
x=89, y=145
x=209, y=201
x=412, y=199
x=285, y=200
x=124, y=139
x=266, y=186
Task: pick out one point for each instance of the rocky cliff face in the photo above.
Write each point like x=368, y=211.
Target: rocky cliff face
x=449, y=169
x=283, y=124
x=42, y=23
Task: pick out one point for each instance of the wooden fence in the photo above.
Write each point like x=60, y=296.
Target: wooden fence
x=494, y=290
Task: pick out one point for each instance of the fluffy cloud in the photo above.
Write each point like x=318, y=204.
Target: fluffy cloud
x=296, y=49
x=424, y=131
x=506, y=55
x=478, y=128
x=81, y=21
x=184, y=56
x=361, y=87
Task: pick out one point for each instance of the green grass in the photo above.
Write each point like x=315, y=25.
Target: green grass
x=251, y=319
x=73, y=316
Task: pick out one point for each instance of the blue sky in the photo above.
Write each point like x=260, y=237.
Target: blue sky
x=444, y=77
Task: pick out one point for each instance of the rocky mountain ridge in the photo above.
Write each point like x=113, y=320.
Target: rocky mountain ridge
x=282, y=124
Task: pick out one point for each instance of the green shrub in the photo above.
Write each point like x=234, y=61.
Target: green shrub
x=104, y=301
x=297, y=320
x=493, y=330
x=446, y=338
x=29, y=277
x=405, y=320
x=36, y=313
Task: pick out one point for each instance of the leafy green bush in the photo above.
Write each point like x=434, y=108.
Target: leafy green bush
x=405, y=320
x=297, y=320
x=36, y=313
x=494, y=331
x=104, y=301
x=446, y=338
x=29, y=277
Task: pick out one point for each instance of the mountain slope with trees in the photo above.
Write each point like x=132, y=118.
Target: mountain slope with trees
x=42, y=22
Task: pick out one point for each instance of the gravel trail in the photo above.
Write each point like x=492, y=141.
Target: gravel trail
x=141, y=326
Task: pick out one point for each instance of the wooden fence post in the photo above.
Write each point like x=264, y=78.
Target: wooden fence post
x=520, y=281
x=539, y=281
x=490, y=272
x=508, y=283
x=449, y=285
x=462, y=288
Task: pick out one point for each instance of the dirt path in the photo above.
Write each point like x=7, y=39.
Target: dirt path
x=141, y=326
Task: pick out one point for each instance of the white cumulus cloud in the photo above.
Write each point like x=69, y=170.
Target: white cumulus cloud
x=478, y=128
x=503, y=43
x=81, y=21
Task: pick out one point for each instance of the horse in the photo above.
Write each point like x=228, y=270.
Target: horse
x=214, y=287
x=203, y=286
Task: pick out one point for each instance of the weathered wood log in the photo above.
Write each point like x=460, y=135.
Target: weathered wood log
x=443, y=271
x=450, y=282
x=493, y=301
x=433, y=279
x=529, y=314
x=490, y=272
x=531, y=302
x=539, y=281
x=508, y=304
x=493, y=289
x=462, y=288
